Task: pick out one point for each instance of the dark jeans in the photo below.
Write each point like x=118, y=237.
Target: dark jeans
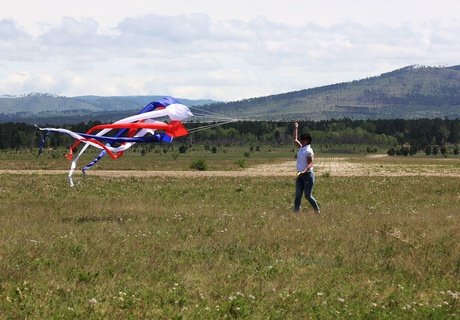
x=304, y=185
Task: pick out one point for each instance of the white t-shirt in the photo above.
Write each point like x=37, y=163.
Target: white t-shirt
x=302, y=155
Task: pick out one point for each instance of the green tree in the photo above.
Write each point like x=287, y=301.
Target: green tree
x=428, y=150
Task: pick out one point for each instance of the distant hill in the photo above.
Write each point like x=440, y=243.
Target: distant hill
x=407, y=93
x=47, y=108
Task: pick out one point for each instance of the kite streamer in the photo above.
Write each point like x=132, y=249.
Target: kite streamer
x=143, y=127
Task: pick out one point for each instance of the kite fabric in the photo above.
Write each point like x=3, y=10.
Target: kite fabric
x=143, y=127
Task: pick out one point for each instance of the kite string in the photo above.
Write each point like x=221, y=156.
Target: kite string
x=210, y=113
x=209, y=126
x=214, y=115
x=216, y=118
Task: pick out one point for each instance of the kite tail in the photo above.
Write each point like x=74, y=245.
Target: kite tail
x=161, y=104
x=95, y=160
x=101, y=154
x=176, y=129
x=149, y=107
x=41, y=145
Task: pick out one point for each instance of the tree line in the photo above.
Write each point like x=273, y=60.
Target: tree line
x=416, y=134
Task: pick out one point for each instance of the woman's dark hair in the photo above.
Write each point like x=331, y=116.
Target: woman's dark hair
x=306, y=137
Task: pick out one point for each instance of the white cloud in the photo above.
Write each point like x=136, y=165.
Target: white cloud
x=176, y=29
x=201, y=51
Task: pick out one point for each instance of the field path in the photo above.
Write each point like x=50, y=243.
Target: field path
x=323, y=166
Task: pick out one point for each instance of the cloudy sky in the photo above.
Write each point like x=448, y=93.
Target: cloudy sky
x=224, y=50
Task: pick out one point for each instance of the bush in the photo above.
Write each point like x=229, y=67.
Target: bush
x=428, y=150
x=199, y=165
x=241, y=163
x=443, y=150
x=403, y=150
x=371, y=149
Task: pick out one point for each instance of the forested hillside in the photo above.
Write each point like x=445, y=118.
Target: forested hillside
x=410, y=135
x=408, y=93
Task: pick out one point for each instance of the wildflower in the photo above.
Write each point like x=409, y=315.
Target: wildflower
x=341, y=300
x=121, y=296
x=320, y=294
x=92, y=301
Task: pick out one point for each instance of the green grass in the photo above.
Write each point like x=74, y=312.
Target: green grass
x=226, y=158
x=207, y=248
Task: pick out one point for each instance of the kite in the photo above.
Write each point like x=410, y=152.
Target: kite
x=143, y=127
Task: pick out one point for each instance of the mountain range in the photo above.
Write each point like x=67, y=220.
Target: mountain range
x=407, y=93
x=42, y=108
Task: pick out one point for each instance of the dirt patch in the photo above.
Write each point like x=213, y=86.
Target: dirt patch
x=340, y=167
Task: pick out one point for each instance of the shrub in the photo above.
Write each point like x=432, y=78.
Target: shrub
x=199, y=165
x=241, y=163
x=443, y=150
x=428, y=150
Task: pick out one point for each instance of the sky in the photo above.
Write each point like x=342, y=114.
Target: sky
x=210, y=49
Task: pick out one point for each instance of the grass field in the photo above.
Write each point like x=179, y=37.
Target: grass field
x=228, y=247
x=227, y=158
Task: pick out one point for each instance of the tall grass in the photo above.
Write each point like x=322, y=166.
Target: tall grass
x=207, y=248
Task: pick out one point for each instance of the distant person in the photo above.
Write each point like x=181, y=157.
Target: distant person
x=305, y=176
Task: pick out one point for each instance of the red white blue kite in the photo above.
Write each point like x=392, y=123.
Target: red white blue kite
x=143, y=127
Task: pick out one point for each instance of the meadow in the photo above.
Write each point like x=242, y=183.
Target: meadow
x=226, y=247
